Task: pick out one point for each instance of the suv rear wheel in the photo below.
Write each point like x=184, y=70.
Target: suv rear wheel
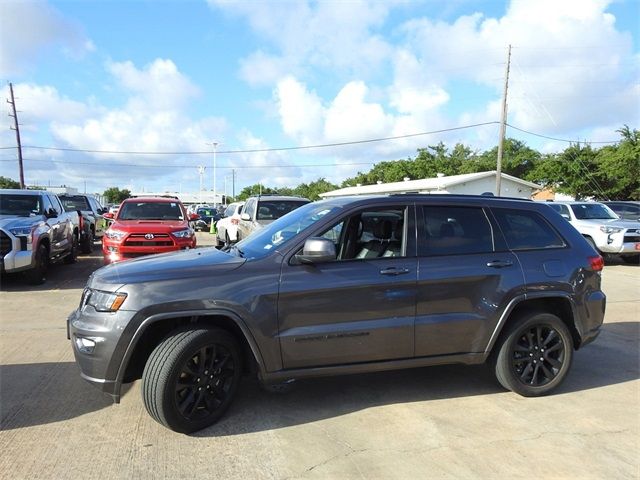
x=87, y=243
x=191, y=378
x=535, y=355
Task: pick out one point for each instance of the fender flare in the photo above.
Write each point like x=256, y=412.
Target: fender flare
x=181, y=314
x=517, y=301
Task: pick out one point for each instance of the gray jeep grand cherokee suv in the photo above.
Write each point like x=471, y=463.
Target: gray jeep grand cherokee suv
x=344, y=286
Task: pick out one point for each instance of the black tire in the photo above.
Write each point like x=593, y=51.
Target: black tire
x=72, y=257
x=534, y=354
x=191, y=378
x=631, y=259
x=38, y=274
x=227, y=240
x=87, y=243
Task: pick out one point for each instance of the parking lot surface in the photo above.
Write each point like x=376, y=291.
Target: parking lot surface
x=439, y=422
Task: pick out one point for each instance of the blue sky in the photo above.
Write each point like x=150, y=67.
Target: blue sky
x=171, y=76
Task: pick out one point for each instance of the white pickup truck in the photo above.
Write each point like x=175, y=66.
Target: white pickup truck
x=603, y=228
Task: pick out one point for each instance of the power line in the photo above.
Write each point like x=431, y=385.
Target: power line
x=260, y=150
x=558, y=139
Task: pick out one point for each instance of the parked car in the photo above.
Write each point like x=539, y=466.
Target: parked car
x=35, y=231
x=262, y=210
x=625, y=210
x=93, y=223
x=227, y=226
x=602, y=228
x=345, y=286
x=205, y=217
x=147, y=225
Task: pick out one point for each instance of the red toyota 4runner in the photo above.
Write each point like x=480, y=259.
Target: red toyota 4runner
x=143, y=226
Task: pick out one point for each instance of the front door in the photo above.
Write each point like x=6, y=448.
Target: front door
x=360, y=307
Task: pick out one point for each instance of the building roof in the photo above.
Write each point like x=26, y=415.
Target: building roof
x=432, y=185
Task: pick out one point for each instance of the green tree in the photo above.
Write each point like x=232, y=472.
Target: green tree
x=254, y=190
x=619, y=167
x=313, y=190
x=115, y=195
x=6, y=182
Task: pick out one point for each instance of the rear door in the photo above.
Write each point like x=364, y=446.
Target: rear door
x=465, y=277
x=353, y=309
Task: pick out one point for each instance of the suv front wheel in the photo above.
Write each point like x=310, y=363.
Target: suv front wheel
x=535, y=355
x=191, y=378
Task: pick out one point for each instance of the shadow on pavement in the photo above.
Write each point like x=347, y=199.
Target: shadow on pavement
x=41, y=393
x=36, y=394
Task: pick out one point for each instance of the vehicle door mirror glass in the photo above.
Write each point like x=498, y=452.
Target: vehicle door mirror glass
x=245, y=216
x=317, y=250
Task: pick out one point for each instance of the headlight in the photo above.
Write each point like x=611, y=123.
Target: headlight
x=23, y=232
x=106, y=301
x=610, y=229
x=115, y=234
x=183, y=233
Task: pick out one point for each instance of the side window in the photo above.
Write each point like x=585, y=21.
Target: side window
x=561, y=209
x=250, y=208
x=369, y=234
x=46, y=203
x=450, y=230
x=526, y=230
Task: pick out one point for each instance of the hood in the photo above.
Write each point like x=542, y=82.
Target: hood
x=8, y=221
x=145, y=226
x=201, y=262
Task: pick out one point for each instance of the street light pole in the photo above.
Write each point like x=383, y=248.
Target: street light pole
x=215, y=154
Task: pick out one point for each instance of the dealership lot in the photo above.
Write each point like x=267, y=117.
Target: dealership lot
x=440, y=422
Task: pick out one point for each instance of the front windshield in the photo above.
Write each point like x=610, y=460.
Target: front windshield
x=276, y=234
x=75, y=203
x=150, y=211
x=207, y=212
x=593, y=211
x=20, y=205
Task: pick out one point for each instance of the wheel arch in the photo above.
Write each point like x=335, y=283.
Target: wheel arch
x=153, y=329
x=558, y=304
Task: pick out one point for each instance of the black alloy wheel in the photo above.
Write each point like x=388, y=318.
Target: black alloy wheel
x=534, y=354
x=38, y=274
x=538, y=355
x=72, y=256
x=205, y=382
x=191, y=378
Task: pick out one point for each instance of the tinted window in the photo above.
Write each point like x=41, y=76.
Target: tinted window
x=455, y=231
x=274, y=209
x=250, y=208
x=525, y=230
x=75, y=203
x=20, y=205
x=561, y=209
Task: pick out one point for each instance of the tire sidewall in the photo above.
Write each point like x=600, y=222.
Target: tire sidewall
x=199, y=339
x=506, y=374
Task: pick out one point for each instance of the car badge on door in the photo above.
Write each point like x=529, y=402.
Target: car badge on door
x=149, y=236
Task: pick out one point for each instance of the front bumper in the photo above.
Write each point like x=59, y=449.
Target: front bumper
x=115, y=252
x=17, y=259
x=103, y=330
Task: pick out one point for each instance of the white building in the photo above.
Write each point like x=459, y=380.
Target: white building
x=187, y=198
x=466, y=184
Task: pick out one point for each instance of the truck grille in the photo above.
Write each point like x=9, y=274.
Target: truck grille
x=140, y=240
x=5, y=243
x=631, y=238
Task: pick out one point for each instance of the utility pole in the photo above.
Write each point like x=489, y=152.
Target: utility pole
x=233, y=183
x=16, y=127
x=503, y=124
x=215, y=152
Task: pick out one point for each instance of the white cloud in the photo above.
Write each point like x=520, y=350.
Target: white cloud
x=30, y=28
x=328, y=35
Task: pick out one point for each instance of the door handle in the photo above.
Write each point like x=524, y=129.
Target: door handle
x=394, y=271
x=499, y=263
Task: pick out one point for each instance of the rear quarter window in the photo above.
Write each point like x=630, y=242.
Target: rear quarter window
x=451, y=230
x=527, y=230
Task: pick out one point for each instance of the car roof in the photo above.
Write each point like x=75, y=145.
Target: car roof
x=16, y=191
x=280, y=198
x=429, y=198
x=152, y=200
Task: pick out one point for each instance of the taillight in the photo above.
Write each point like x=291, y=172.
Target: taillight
x=597, y=263
x=235, y=221
x=81, y=222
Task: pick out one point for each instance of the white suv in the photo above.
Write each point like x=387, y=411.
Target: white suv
x=606, y=232
x=227, y=226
